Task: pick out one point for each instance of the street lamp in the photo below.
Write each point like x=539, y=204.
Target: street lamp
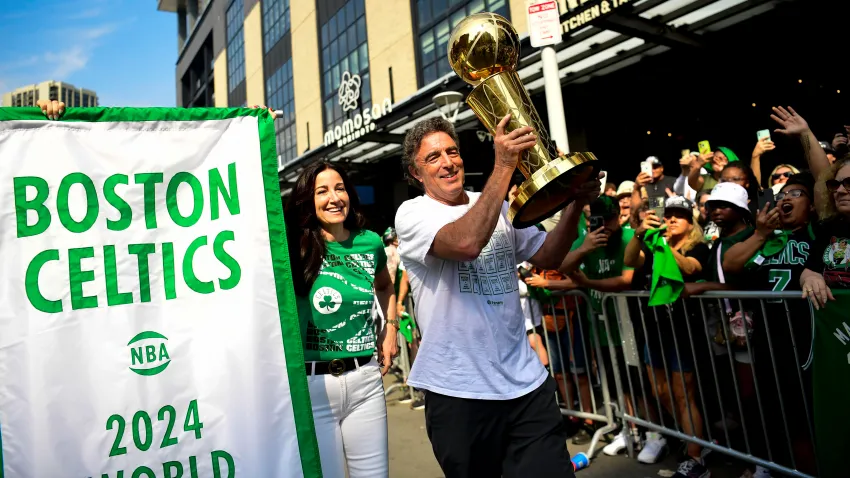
x=448, y=102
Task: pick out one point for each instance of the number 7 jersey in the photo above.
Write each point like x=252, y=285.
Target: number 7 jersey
x=781, y=271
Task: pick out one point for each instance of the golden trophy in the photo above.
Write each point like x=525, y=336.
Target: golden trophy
x=484, y=51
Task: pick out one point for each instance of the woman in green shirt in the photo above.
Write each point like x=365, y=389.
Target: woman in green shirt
x=338, y=269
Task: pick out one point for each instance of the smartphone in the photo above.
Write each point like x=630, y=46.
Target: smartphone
x=685, y=152
x=646, y=168
x=704, y=147
x=596, y=222
x=657, y=205
x=765, y=133
x=523, y=272
x=766, y=197
x=604, y=180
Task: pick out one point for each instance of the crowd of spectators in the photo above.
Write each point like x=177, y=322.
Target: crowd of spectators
x=720, y=225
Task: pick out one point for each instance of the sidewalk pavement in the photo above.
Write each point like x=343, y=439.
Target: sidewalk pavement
x=411, y=455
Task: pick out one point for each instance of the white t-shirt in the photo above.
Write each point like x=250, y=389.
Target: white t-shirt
x=473, y=335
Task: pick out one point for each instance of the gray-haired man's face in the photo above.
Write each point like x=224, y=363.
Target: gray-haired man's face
x=439, y=168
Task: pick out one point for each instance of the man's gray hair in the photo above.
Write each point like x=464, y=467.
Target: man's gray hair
x=414, y=137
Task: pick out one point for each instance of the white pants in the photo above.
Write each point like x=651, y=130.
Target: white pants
x=350, y=414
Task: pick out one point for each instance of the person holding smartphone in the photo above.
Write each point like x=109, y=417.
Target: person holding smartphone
x=714, y=163
x=685, y=239
x=595, y=263
x=651, y=182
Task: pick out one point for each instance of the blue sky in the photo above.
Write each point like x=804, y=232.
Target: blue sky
x=125, y=50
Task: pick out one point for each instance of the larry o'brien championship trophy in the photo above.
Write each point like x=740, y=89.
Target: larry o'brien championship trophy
x=484, y=51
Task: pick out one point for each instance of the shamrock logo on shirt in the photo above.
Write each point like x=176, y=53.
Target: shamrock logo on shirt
x=327, y=300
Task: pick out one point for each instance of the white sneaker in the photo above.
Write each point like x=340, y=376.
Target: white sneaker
x=652, y=448
x=617, y=445
x=761, y=472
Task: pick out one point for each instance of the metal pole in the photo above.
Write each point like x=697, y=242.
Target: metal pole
x=554, y=101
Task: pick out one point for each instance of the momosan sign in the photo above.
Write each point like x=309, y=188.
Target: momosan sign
x=147, y=320
x=362, y=122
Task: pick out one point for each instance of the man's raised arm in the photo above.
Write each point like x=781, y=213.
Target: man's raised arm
x=463, y=239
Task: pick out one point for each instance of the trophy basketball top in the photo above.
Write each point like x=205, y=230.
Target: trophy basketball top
x=482, y=45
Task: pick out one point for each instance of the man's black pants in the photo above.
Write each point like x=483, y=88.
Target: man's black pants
x=524, y=437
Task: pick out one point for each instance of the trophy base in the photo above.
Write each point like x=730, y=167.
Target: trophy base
x=551, y=188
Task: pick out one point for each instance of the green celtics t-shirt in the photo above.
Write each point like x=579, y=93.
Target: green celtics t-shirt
x=605, y=263
x=338, y=308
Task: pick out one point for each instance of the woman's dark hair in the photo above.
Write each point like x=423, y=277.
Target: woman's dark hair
x=304, y=233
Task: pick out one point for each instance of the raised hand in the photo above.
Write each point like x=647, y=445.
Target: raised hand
x=685, y=164
x=595, y=239
x=509, y=146
x=702, y=160
x=651, y=221
x=762, y=146
x=767, y=221
x=271, y=111
x=791, y=123
x=589, y=190
x=51, y=108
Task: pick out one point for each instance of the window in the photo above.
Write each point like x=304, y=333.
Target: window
x=275, y=21
x=235, y=45
x=86, y=99
x=77, y=98
x=435, y=20
x=36, y=96
x=281, y=95
x=344, y=49
x=54, y=93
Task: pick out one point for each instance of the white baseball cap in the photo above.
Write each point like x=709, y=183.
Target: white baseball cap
x=729, y=192
x=625, y=188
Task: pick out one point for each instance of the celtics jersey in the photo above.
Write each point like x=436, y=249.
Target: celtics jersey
x=605, y=263
x=831, y=253
x=831, y=385
x=338, y=308
x=721, y=245
x=781, y=271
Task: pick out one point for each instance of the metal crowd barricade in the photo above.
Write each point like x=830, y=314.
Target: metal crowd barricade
x=736, y=378
x=579, y=330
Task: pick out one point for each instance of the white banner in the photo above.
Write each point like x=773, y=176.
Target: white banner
x=147, y=319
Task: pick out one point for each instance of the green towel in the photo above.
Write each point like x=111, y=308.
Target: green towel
x=544, y=296
x=406, y=326
x=772, y=246
x=667, y=282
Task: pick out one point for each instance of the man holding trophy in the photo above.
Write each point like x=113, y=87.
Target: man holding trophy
x=490, y=405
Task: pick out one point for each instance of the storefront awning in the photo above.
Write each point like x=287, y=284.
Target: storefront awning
x=601, y=36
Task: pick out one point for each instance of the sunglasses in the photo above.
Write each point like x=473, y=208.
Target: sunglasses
x=834, y=184
x=787, y=174
x=794, y=193
x=733, y=180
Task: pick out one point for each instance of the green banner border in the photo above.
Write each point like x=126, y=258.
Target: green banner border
x=293, y=348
